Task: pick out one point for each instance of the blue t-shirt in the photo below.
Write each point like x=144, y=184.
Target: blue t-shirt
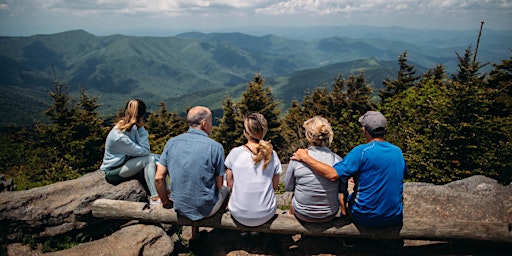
x=379, y=169
x=193, y=161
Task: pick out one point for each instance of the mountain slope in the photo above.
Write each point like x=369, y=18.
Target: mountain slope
x=193, y=68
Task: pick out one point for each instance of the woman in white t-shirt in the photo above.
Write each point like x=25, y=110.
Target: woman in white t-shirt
x=252, y=173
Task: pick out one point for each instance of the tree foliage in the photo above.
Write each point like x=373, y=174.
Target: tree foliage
x=70, y=145
x=257, y=97
x=229, y=129
x=341, y=106
x=163, y=125
x=448, y=126
x=406, y=78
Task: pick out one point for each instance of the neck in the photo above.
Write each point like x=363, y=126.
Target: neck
x=251, y=146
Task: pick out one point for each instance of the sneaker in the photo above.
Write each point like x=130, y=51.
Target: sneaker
x=154, y=200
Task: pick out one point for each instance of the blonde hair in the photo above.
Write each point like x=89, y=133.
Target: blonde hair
x=134, y=110
x=255, y=126
x=318, y=131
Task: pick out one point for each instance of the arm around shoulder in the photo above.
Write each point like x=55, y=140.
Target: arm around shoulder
x=320, y=168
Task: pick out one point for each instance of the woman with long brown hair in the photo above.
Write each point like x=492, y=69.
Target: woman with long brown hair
x=127, y=150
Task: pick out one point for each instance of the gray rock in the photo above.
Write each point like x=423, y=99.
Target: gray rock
x=131, y=240
x=61, y=207
x=476, y=198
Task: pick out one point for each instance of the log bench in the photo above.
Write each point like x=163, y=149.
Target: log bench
x=413, y=228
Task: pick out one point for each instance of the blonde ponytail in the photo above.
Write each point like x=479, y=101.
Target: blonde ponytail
x=255, y=126
x=264, y=152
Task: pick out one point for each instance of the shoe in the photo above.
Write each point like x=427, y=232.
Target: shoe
x=154, y=200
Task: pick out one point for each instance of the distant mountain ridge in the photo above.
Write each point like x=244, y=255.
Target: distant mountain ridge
x=194, y=68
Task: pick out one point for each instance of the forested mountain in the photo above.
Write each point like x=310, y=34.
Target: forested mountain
x=195, y=68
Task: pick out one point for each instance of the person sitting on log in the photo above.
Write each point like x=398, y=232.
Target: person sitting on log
x=378, y=168
x=127, y=150
x=315, y=198
x=195, y=164
x=252, y=173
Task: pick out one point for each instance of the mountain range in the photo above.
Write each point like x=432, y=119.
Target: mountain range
x=201, y=69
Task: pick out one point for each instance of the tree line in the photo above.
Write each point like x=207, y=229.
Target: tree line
x=448, y=126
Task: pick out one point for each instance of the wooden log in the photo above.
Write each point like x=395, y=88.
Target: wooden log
x=416, y=229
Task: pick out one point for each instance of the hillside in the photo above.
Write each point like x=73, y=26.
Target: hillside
x=194, y=68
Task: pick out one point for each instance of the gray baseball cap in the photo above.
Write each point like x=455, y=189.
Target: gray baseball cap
x=374, y=122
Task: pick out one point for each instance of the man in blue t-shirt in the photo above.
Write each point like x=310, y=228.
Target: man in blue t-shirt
x=378, y=168
x=195, y=164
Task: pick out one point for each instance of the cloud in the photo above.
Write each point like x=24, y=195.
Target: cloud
x=253, y=7
x=35, y=15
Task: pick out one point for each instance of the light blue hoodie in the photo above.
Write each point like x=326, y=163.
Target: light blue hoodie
x=120, y=146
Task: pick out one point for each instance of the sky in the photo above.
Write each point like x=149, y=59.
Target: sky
x=157, y=17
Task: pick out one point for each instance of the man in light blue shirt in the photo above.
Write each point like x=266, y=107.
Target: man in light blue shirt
x=196, y=167
x=378, y=168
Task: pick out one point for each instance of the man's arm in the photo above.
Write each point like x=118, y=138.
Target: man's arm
x=161, y=186
x=219, y=181
x=324, y=170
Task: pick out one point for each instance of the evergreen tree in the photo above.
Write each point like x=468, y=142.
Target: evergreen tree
x=438, y=74
x=341, y=106
x=229, y=128
x=446, y=129
x=500, y=87
x=293, y=131
x=163, y=125
x=500, y=82
x=406, y=78
x=469, y=69
x=71, y=144
x=89, y=134
x=258, y=97
x=415, y=123
x=350, y=99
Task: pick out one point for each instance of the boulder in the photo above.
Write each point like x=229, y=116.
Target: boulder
x=477, y=198
x=61, y=207
x=133, y=240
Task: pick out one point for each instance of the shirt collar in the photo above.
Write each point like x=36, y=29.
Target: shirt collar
x=197, y=131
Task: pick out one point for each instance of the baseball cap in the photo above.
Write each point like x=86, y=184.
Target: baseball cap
x=374, y=122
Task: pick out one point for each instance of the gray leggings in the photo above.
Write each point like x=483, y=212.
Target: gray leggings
x=131, y=168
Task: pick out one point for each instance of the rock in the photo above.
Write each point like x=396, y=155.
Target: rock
x=131, y=240
x=476, y=198
x=61, y=207
x=65, y=207
x=21, y=249
x=6, y=184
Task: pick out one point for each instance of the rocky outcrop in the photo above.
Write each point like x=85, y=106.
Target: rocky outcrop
x=65, y=207
x=476, y=198
x=136, y=239
x=62, y=207
x=131, y=240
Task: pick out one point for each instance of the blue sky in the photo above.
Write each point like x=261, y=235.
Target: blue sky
x=151, y=17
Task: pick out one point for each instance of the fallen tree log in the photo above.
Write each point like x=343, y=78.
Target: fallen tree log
x=413, y=228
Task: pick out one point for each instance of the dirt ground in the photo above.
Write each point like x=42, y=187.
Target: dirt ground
x=218, y=242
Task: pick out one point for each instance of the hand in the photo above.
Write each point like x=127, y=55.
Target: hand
x=139, y=123
x=300, y=154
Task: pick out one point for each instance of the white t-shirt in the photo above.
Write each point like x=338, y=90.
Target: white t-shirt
x=252, y=201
